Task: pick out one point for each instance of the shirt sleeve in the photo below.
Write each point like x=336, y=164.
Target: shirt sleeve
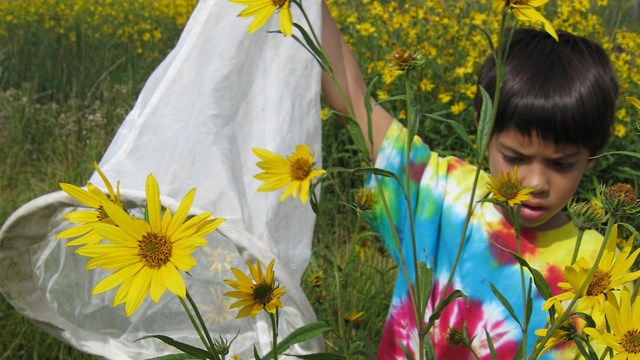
x=423, y=178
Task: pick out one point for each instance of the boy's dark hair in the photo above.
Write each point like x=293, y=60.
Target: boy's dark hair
x=565, y=91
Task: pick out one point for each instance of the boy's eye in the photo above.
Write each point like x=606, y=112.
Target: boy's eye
x=562, y=165
x=513, y=160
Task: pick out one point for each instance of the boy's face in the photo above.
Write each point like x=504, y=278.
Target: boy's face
x=554, y=170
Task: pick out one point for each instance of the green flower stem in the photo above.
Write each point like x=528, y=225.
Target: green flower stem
x=498, y=56
x=515, y=218
x=341, y=329
x=407, y=192
x=537, y=349
x=306, y=19
x=274, y=332
x=327, y=65
x=467, y=220
x=576, y=248
x=403, y=263
x=198, y=330
x=200, y=319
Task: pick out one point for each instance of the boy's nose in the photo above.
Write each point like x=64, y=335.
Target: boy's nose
x=534, y=176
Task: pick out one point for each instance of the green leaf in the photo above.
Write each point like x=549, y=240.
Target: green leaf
x=299, y=335
x=392, y=98
x=175, y=357
x=429, y=352
x=628, y=153
x=485, y=124
x=376, y=171
x=585, y=353
x=529, y=307
x=541, y=283
x=356, y=135
x=186, y=348
x=519, y=352
x=425, y=277
x=415, y=118
x=365, y=169
x=370, y=348
x=310, y=43
x=407, y=353
x=369, y=109
x=492, y=349
x=304, y=46
x=487, y=37
x=457, y=127
x=587, y=318
x=313, y=200
x=320, y=356
x=442, y=304
x=504, y=303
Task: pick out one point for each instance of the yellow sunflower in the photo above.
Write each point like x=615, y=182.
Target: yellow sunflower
x=523, y=10
x=633, y=101
x=263, y=9
x=507, y=189
x=611, y=274
x=257, y=294
x=91, y=197
x=294, y=172
x=146, y=256
x=624, y=320
x=565, y=332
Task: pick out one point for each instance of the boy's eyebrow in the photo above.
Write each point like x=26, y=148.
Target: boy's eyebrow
x=568, y=154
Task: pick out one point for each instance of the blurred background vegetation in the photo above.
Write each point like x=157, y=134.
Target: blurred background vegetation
x=70, y=71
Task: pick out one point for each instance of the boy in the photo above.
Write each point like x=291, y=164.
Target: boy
x=556, y=110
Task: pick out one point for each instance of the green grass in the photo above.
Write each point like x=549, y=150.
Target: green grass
x=22, y=340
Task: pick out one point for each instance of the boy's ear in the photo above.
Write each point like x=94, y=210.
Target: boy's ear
x=590, y=163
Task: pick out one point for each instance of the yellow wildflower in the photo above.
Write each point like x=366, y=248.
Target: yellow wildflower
x=611, y=274
x=624, y=319
x=619, y=130
x=255, y=295
x=634, y=102
x=295, y=172
x=523, y=10
x=458, y=107
x=444, y=97
x=506, y=188
x=562, y=334
x=147, y=256
x=91, y=197
x=263, y=9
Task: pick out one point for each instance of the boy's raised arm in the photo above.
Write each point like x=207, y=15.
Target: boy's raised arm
x=348, y=74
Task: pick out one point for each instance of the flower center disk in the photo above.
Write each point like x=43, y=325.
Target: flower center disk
x=509, y=190
x=101, y=213
x=300, y=169
x=599, y=283
x=279, y=3
x=263, y=293
x=154, y=249
x=631, y=341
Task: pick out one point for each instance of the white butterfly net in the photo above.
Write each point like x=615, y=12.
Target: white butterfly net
x=218, y=94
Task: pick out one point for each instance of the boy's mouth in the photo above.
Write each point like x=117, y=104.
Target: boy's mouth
x=532, y=211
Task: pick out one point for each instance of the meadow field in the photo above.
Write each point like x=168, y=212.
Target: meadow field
x=70, y=70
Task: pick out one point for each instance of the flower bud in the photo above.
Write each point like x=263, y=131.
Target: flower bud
x=619, y=200
x=404, y=60
x=586, y=215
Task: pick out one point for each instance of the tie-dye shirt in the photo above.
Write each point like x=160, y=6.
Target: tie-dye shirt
x=440, y=192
